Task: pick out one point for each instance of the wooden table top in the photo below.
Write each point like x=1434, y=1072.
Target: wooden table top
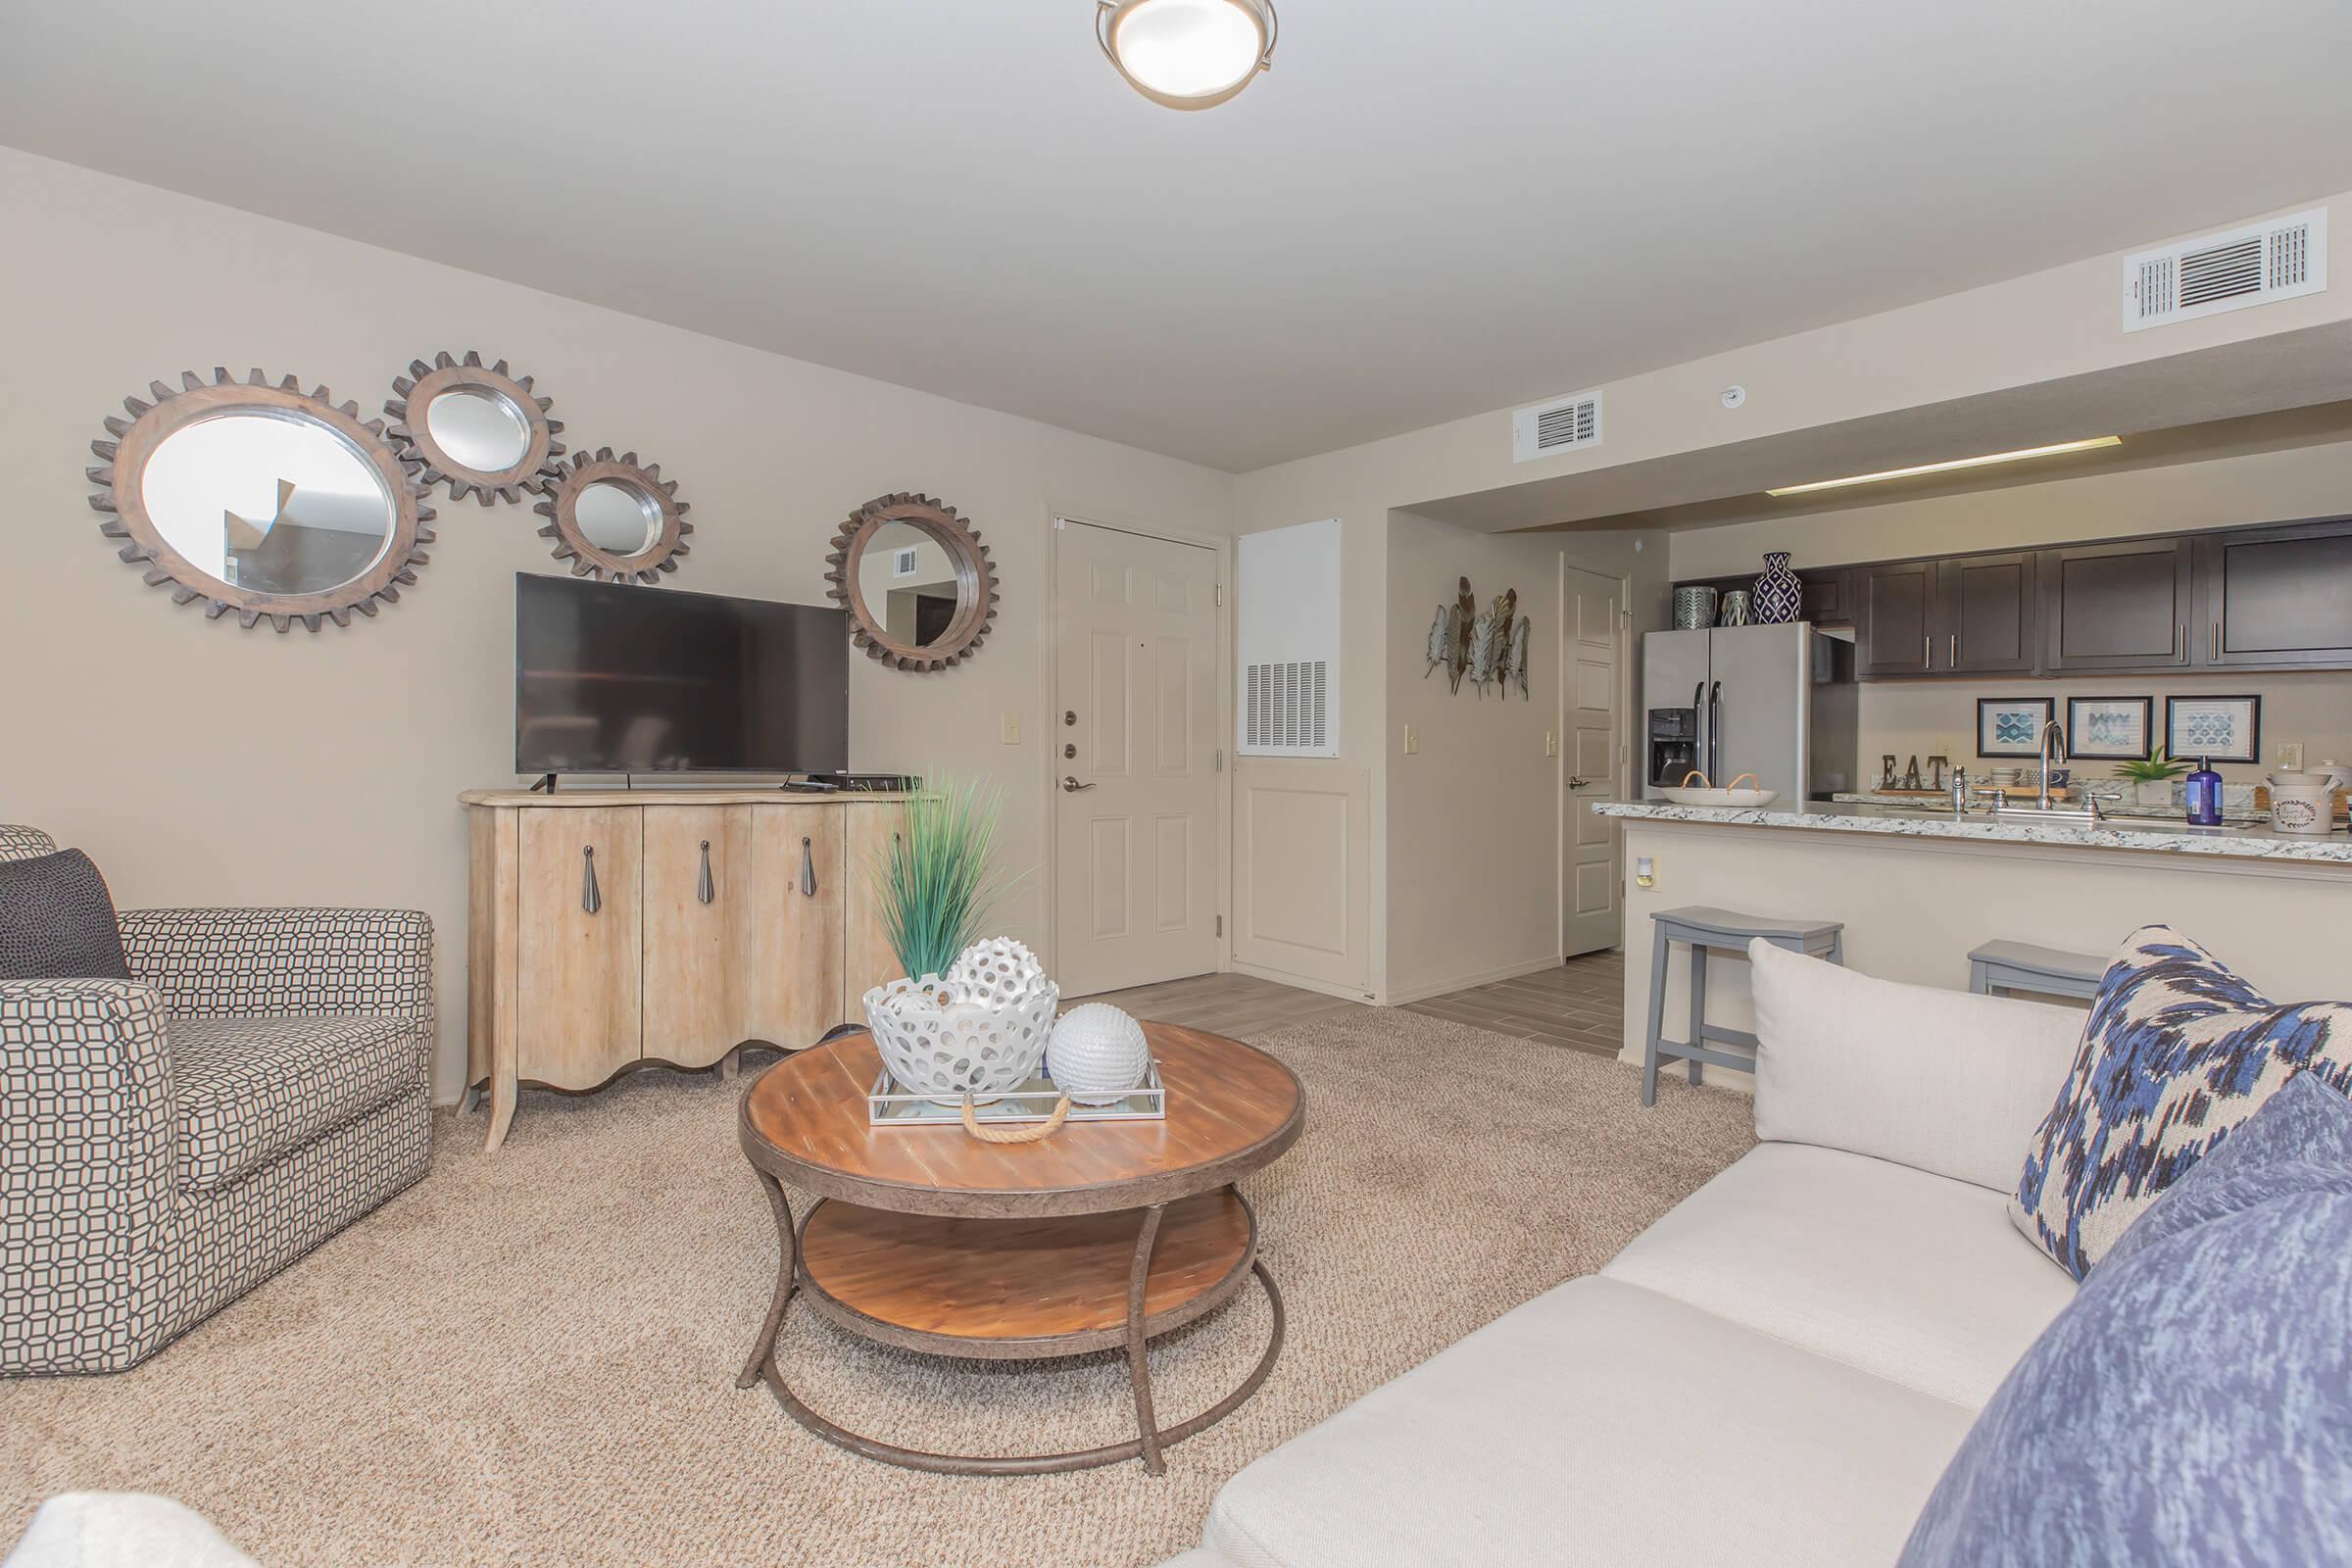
x=1232, y=1109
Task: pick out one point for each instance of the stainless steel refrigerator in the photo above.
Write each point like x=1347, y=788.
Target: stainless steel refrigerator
x=1779, y=701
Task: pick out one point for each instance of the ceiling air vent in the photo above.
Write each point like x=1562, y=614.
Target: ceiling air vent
x=1561, y=425
x=2264, y=261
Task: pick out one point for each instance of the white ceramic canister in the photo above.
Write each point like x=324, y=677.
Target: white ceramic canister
x=2303, y=803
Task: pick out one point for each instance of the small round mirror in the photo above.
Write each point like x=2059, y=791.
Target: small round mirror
x=617, y=518
x=908, y=582
x=481, y=429
x=269, y=502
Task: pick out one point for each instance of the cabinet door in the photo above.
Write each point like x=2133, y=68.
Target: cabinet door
x=1895, y=617
x=698, y=890
x=789, y=946
x=2277, y=596
x=578, y=990
x=866, y=956
x=2116, y=606
x=1985, y=614
x=1828, y=595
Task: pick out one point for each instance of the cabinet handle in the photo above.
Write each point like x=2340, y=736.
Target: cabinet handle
x=2217, y=642
x=807, y=869
x=702, y=889
x=590, y=898
x=1927, y=652
x=1951, y=649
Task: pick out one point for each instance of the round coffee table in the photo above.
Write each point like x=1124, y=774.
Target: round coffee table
x=1101, y=1236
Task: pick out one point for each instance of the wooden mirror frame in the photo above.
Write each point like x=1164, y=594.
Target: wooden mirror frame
x=562, y=511
x=535, y=471
x=975, y=581
x=121, y=500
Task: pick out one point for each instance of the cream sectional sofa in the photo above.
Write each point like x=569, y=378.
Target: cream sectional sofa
x=1773, y=1373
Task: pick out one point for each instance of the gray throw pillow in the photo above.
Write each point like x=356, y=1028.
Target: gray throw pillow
x=2194, y=1403
x=57, y=920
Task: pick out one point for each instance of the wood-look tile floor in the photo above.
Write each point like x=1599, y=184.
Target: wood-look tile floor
x=1578, y=1005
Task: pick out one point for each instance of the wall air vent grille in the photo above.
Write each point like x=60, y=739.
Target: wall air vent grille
x=1286, y=641
x=1563, y=425
x=1288, y=707
x=2226, y=271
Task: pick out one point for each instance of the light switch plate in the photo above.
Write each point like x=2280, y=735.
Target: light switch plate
x=2290, y=757
x=1011, y=729
x=1552, y=743
x=1412, y=741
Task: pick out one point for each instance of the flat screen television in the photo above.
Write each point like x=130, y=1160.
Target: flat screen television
x=613, y=679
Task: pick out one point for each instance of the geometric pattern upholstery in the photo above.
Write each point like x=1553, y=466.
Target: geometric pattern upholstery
x=250, y=1091
x=169, y=1143
x=24, y=843
x=2178, y=1052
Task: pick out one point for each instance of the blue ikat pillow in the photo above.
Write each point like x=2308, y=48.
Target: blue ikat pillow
x=2176, y=1052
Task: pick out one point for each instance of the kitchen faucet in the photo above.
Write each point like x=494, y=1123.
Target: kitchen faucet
x=2051, y=735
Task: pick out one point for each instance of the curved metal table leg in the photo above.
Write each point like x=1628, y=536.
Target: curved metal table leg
x=1138, y=1370
x=1033, y=1464
x=788, y=1262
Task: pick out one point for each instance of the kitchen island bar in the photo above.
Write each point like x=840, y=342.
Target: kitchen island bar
x=1918, y=889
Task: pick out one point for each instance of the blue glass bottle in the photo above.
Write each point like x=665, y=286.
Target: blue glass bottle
x=2204, y=790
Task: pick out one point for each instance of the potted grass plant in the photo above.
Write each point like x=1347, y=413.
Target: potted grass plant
x=968, y=1017
x=2152, y=780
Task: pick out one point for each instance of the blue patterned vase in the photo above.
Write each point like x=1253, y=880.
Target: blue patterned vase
x=1778, y=597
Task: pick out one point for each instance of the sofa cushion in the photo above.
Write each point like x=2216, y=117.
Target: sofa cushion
x=1915, y=1277
x=247, y=1091
x=2179, y=1050
x=57, y=920
x=1599, y=1423
x=1943, y=1080
x=2194, y=1404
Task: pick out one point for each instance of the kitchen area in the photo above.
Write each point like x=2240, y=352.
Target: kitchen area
x=2051, y=744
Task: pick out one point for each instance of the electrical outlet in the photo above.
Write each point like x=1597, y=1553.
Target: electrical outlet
x=1412, y=741
x=1011, y=729
x=2290, y=757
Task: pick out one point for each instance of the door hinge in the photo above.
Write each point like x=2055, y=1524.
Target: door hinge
x=1220, y=925
x=1220, y=594
x=1220, y=759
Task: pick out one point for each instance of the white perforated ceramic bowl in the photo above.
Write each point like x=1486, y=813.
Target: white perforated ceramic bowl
x=981, y=1031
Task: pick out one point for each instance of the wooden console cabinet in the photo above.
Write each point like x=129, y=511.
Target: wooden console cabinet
x=612, y=927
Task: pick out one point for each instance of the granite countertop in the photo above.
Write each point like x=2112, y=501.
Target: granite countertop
x=2237, y=843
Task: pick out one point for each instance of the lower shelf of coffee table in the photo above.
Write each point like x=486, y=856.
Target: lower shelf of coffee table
x=1010, y=1288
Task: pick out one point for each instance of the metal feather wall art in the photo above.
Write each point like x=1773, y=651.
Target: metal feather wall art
x=1489, y=646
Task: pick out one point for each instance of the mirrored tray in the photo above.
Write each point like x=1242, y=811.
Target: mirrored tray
x=889, y=1106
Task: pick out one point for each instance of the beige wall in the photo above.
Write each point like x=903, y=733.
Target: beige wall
x=200, y=763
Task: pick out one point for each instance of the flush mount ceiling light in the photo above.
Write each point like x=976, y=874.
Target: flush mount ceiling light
x=1188, y=53
x=1946, y=467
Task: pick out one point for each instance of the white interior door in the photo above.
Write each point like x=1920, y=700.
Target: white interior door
x=1135, y=734
x=1591, y=875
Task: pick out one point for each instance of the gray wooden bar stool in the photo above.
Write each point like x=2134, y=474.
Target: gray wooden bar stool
x=1723, y=930
x=1999, y=967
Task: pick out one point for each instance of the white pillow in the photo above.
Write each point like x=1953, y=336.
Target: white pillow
x=1943, y=1081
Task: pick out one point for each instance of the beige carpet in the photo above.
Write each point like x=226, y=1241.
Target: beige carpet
x=530, y=1357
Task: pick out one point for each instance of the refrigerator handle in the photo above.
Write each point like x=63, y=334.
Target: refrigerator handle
x=1715, y=731
x=1699, y=737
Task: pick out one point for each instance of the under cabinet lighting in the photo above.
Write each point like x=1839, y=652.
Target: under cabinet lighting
x=1957, y=463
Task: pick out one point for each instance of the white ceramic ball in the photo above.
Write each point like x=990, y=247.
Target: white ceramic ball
x=1097, y=1054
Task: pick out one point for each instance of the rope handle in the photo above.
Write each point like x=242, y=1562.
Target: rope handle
x=1698, y=774
x=1017, y=1135
x=1751, y=777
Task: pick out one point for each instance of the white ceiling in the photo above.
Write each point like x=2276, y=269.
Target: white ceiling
x=1425, y=211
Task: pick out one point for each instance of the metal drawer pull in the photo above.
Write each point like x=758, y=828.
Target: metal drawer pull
x=807, y=869
x=1951, y=651
x=590, y=898
x=1927, y=652
x=702, y=889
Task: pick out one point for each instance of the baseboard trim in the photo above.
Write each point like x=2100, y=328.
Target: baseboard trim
x=1303, y=982
x=1484, y=977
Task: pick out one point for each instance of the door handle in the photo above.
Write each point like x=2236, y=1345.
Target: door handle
x=591, y=900
x=702, y=889
x=1575, y=783
x=1070, y=786
x=807, y=869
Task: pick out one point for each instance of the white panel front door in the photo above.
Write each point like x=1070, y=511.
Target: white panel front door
x=1593, y=916
x=1136, y=841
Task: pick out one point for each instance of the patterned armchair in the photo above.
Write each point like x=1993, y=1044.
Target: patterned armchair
x=169, y=1143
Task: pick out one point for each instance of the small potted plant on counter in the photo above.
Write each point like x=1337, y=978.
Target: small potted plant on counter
x=2152, y=780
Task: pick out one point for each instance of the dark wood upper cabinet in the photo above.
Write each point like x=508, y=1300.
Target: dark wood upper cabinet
x=1985, y=613
x=1895, y=614
x=1828, y=595
x=2123, y=605
x=2279, y=598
